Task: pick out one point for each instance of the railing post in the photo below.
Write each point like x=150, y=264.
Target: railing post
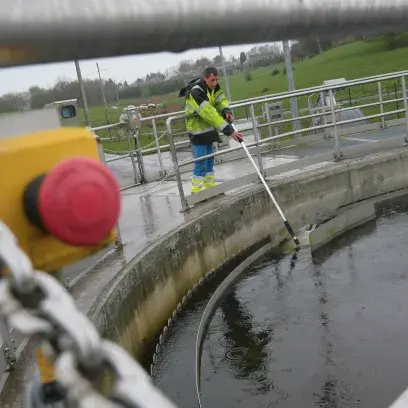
x=404, y=95
x=156, y=139
x=380, y=99
x=118, y=241
x=132, y=158
x=337, y=153
x=268, y=118
x=139, y=156
x=256, y=137
x=173, y=152
x=326, y=130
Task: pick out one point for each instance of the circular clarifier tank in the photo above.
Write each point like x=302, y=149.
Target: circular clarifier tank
x=322, y=330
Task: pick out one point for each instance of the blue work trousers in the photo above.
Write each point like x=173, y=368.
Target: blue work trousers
x=203, y=167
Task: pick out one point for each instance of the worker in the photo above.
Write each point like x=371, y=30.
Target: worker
x=207, y=113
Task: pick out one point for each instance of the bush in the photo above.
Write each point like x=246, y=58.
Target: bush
x=275, y=72
x=248, y=77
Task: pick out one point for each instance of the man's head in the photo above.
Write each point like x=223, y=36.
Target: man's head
x=210, y=77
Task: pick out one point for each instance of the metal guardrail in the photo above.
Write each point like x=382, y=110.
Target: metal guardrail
x=259, y=145
x=136, y=155
x=92, y=29
x=333, y=126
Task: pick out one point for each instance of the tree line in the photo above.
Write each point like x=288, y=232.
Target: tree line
x=157, y=83
x=153, y=84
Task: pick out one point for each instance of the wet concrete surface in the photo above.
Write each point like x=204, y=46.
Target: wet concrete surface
x=124, y=171
x=326, y=331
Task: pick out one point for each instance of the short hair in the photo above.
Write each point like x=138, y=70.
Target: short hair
x=210, y=70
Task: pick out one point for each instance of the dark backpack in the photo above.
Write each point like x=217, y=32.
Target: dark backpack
x=186, y=90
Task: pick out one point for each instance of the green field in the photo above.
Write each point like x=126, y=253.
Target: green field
x=350, y=61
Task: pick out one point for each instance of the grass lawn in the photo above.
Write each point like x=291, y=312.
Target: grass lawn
x=350, y=61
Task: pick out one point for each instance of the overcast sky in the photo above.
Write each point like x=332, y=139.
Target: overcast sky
x=120, y=69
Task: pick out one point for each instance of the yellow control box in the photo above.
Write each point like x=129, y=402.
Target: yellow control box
x=54, y=190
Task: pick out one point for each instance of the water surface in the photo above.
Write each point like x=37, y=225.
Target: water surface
x=328, y=330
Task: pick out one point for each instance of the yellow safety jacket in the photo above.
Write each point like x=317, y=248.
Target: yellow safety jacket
x=205, y=111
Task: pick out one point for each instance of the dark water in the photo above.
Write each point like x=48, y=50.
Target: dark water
x=324, y=331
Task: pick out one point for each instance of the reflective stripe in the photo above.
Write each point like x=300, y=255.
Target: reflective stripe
x=188, y=105
x=202, y=106
x=223, y=125
x=200, y=131
x=197, y=87
x=197, y=183
x=219, y=97
x=209, y=185
x=209, y=180
x=193, y=114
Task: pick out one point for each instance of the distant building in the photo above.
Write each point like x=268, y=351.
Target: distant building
x=230, y=67
x=188, y=76
x=254, y=59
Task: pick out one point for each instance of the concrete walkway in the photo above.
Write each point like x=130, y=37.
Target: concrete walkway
x=150, y=211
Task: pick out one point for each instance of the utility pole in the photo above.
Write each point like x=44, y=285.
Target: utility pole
x=224, y=72
x=291, y=85
x=116, y=89
x=318, y=45
x=83, y=95
x=103, y=93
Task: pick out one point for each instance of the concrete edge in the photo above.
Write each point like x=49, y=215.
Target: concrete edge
x=355, y=192
x=352, y=218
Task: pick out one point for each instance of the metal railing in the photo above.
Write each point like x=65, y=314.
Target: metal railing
x=155, y=147
x=178, y=25
x=329, y=129
x=137, y=152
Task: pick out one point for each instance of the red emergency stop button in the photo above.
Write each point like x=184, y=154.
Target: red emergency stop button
x=78, y=201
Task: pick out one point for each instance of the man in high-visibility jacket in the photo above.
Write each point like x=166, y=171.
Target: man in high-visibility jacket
x=207, y=114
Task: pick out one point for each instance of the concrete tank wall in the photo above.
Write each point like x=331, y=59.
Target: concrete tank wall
x=136, y=306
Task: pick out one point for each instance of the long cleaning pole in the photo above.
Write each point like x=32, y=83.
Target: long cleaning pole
x=285, y=221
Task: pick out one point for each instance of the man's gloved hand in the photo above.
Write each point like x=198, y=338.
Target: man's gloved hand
x=237, y=136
